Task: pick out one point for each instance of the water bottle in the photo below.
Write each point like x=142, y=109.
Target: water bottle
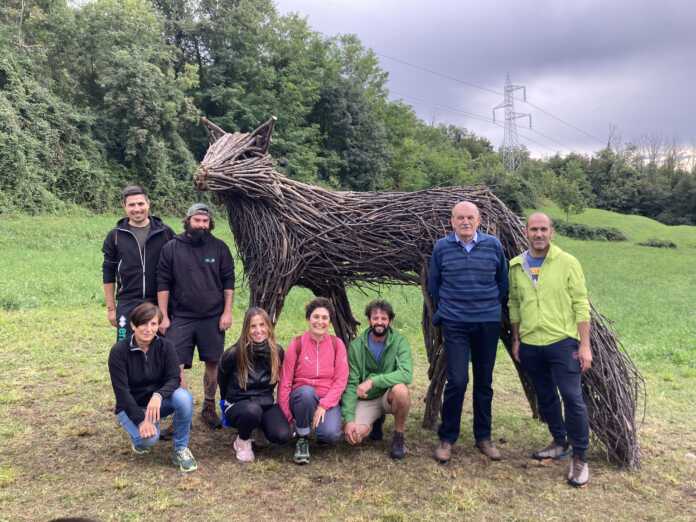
x=223, y=418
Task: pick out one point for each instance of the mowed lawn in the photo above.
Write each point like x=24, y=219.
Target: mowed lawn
x=62, y=453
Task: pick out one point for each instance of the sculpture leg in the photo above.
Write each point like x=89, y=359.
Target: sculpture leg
x=269, y=295
x=527, y=386
x=432, y=336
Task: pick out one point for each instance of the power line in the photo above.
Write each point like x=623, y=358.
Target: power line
x=472, y=115
x=486, y=89
x=437, y=73
x=564, y=122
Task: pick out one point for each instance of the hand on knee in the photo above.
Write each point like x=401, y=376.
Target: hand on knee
x=148, y=442
x=355, y=433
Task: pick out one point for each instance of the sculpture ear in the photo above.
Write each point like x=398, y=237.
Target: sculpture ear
x=214, y=132
x=263, y=134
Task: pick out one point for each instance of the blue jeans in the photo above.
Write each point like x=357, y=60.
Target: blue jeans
x=303, y=403
x=553, y=368
x=181, y=405
x=477, y=342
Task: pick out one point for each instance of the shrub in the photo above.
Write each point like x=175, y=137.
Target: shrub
x=584, y=232
x=658, y=243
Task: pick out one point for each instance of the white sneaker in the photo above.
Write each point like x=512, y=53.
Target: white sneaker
x=243, y=450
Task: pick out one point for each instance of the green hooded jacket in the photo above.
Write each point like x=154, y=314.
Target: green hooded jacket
x=550, y=309
x=395, y=367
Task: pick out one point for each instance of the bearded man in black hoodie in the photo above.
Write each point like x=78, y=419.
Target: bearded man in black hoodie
x=195, y=282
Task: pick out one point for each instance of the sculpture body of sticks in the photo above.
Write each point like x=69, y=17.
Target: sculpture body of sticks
x=290, y=233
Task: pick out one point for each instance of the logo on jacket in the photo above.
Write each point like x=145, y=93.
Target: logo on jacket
x=209, y=260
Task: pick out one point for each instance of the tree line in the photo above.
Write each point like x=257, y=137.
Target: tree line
x=97, y=96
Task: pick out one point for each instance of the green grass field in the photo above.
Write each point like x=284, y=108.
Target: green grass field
x=62, y=453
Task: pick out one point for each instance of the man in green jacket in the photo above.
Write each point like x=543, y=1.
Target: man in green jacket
x=550, y=317
x=381, y=369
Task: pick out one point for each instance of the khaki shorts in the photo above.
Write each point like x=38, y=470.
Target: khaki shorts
x=367, y=412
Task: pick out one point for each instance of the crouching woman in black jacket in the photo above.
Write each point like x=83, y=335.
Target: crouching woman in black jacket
x=248, y=374
x=144, y=371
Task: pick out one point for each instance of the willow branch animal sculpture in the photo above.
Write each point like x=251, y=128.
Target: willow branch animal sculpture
x=290, y=233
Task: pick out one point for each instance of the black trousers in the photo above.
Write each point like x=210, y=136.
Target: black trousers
x=464, y=342
x=555, y=368
x=248, y=415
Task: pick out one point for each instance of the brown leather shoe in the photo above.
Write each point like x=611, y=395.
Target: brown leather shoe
x=210, y=417
x=488, y=449
x=443, y=452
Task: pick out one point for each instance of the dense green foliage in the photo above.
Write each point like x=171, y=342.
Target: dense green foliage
x=586, y=232
x=99, y=94
x=632, y=180
x=658, y=243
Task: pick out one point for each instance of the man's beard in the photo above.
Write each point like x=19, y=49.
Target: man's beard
x=379, y=330
x=197, y=235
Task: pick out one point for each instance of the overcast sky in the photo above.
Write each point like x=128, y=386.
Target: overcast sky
x=593, y=64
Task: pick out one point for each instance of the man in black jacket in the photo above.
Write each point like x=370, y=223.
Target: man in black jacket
x=196, y=274
x=131, y=253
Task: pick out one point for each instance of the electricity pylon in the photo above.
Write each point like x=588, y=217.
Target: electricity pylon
x=511, y=142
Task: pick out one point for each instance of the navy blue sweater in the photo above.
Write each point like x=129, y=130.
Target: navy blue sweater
x=468, y=287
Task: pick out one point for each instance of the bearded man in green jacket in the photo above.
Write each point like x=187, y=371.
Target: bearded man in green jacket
x=381, y=368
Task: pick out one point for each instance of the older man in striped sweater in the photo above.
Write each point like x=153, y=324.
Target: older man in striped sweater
x=468, y=282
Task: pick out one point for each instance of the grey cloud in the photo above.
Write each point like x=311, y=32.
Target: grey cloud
x=592, y=63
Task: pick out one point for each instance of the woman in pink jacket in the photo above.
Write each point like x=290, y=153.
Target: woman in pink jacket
x=315, y=373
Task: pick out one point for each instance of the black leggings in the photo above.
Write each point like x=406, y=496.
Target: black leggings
x=246, y=416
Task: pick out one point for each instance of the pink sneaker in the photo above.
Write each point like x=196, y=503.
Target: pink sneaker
x=243, y=450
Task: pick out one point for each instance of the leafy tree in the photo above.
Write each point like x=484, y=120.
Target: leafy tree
x=463, y=139
x=568, y=196
x=349, y=115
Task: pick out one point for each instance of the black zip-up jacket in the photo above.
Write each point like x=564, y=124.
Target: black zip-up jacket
x=259, y=388
x=135, y=275
x=196, y=275
x=136, y=375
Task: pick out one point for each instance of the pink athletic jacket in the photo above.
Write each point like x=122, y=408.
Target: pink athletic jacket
x=322, y=365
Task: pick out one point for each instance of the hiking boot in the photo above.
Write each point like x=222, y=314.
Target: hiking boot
x=578, y=472
x=301, y=451
x=553, y=451
x=184, y=459
x=142, y=450
x=398, y=447
x=243, y=449
x=376, y=432
x=443, y=452
x=488, y=449
x=210, y=416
